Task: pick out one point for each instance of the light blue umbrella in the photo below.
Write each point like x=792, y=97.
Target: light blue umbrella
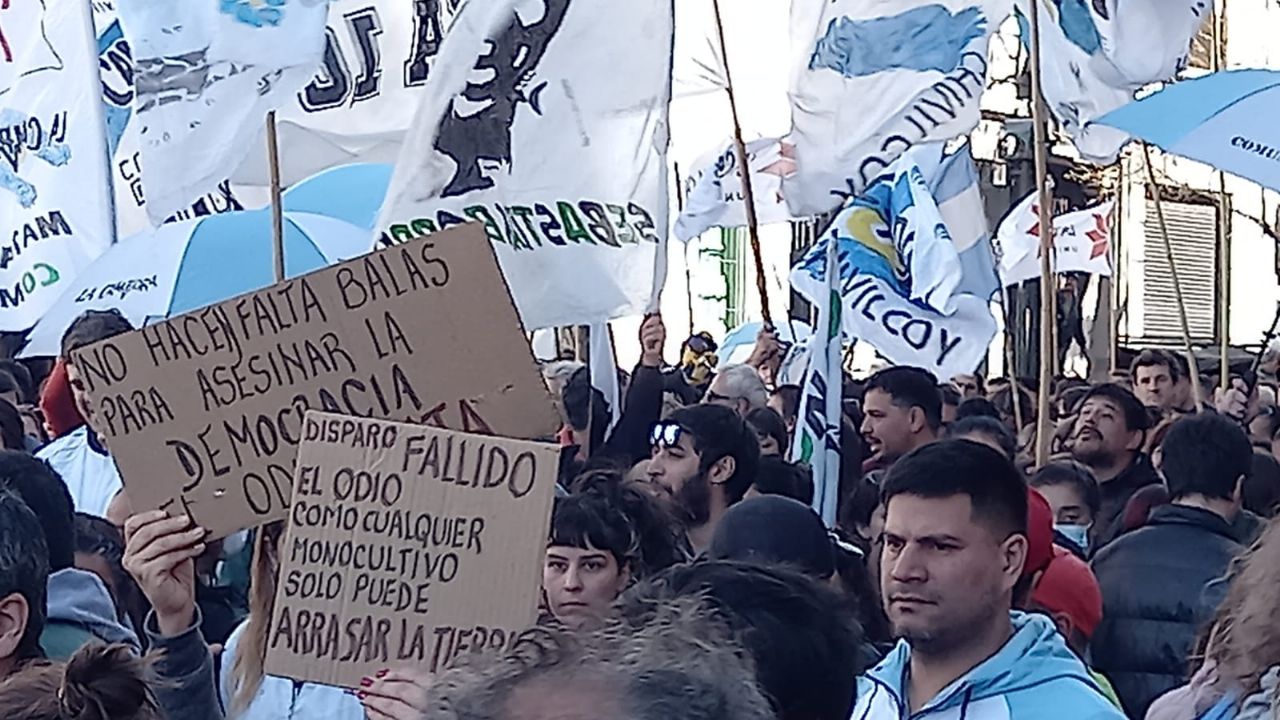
x=1227, y=120
x=351, y=193
x=184, y=266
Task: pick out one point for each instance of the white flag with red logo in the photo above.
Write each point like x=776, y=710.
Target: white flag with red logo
x=1082, y=241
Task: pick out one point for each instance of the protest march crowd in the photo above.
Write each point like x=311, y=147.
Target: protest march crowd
x=334, y=481
x=684, y=573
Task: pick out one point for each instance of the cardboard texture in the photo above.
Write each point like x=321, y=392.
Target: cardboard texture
x=407, y=545
x=203, y=412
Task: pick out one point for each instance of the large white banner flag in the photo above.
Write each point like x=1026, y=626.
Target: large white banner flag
x=713, y=195
x=560, y=160
x=1081, y=241
x=876, y=77
x=53, y=163
x=115, y=63
x=206, y=74
x=904, y=278
x=378, y=55
x=1095, y=55
x=817, y=441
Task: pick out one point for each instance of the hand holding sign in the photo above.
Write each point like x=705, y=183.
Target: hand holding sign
x=395, y=695
x=160, y=553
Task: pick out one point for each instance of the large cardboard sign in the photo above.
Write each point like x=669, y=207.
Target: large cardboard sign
x=406, y=545
x=203, y=413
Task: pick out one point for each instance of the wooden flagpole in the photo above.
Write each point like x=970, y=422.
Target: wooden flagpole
x=1173, y=275
x=277, y=209
x=688, y=270
x=1224, y=229
x=744, y=169
x=1048, y=318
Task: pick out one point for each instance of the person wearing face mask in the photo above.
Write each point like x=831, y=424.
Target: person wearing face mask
x=1072, y=492
x=1108, y=439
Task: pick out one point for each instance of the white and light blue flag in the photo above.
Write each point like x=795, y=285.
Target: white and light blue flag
x=872, y=78
x=916, y=267
x=1096, y=55
x=205, y=75
x=55, y=212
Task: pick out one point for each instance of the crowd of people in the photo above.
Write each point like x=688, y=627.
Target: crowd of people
x=686, y=576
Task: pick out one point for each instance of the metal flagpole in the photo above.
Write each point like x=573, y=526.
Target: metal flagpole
x=1173, y=275
x=748, y=197
x=1048, y=318
x=277, y=209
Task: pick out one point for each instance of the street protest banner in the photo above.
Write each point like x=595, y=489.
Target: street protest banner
x=532, y=135
x=1081, y=241
x=406, y=546
x=203, y=413
x=817, y=441
x=874, y=78
x=206, y=74
x=53, y=173
x=115, y=64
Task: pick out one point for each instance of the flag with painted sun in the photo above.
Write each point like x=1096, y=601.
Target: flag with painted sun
x=916, y=265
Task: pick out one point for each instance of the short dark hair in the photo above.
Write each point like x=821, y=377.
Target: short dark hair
x=766, y=421
x=962, y=467
x=797, y=630
x=9, y=383
x=94, y=326
x=1077, y=475
x=1157, y=358
x=1136, y=416
x=1206, y=455
x=989, y=427
x=1262, y=487
x=790, y=395
x=1003, y=400
x=24, y=567
x=659, y=536
x=719, y=432
x=776, y=476
x=977, y=407
x=910, y=387
x=586, y=407
x=20, y=372
x=590, y=520
x=43, y=490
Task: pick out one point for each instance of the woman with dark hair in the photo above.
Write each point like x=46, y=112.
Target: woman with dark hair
x=592, y=551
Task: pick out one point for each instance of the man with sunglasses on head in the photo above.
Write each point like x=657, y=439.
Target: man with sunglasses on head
x=704, y=459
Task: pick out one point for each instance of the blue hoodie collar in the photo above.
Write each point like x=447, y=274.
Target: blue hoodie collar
x=1034, y=656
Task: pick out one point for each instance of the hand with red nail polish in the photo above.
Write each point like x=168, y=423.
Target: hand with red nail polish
x=397, y=695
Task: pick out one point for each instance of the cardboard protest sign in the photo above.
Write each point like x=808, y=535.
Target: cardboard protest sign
x=406, y=545
x=203, y=413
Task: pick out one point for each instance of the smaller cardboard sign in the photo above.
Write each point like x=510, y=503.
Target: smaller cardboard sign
x=203, y=412
x=406, y=546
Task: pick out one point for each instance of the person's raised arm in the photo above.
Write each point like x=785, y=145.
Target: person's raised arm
x=160, y=553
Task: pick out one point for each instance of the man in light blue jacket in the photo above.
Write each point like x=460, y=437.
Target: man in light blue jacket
x=954, y=547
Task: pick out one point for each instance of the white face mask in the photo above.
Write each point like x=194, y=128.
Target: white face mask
x=1078, y=534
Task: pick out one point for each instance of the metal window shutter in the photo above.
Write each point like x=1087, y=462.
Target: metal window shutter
x=1193, y=233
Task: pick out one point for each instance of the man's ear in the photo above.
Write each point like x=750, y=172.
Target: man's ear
x=722, y=470
x=14, y=615
x=916, y=419
x=1013, y=558
x=1136, y=440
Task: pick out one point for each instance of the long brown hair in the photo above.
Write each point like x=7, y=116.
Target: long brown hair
x=1245, y=639
x=251, y=651
x=99, y=682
